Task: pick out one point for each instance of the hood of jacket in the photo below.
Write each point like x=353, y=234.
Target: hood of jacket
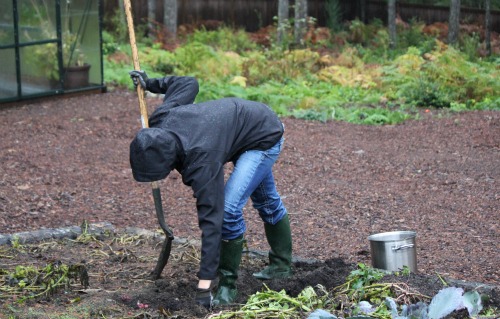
x=153, y=154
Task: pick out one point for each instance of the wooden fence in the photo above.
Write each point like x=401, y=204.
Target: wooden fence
x=253, y=14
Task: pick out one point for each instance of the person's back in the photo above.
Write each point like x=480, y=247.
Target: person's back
x=225, y=128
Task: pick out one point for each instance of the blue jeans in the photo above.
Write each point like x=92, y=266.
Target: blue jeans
x=252, y=177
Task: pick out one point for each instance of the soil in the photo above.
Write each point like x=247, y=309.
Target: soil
x=65, y=160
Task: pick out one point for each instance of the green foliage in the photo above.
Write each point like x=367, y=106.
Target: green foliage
x=117, y=26
x=361, y=285
x=363, y=83
x=224, y=39
x=156, y=62
x=287, y=37
x=472, y=105
x=425, y=93
x=445, y=76
x=274, y=65
x=370, y=116
x=469, y=44
x=405, y=271
x=109, y=43
x=490, y=312
x=360, y=33
x=29, y=282
x=463, y=79
x=413, y=36
x=360, y=297
x=273, y=304
x=16, y=243
x=205, y=62
x=364, y=276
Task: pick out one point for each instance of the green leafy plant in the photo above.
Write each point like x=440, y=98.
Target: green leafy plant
x=16, y=243
x=109, y=43
x=28, y=282
x=405, y=271
x=361, y=286
x=444, y=303
x=269, y=304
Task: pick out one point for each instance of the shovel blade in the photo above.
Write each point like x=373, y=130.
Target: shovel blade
x=162, y=259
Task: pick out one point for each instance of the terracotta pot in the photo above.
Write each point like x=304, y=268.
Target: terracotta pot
x=76, y=76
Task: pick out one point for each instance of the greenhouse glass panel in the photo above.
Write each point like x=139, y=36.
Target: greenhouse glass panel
x=8, y=88
x=54, y=47
x=6, y=24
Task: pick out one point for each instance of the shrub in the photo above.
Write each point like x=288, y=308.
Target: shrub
x=224, y=39
x=274, y=65
x=109, y=43
x=445, y=76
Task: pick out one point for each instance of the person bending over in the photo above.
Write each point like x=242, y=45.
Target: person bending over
x=197, y=140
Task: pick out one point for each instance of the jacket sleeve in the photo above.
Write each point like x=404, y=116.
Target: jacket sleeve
x=178, y=90
x=207, y=182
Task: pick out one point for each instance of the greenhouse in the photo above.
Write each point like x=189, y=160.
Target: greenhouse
x=49, y=47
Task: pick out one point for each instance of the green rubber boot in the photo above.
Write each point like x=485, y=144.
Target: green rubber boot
x=230, y=258
x=279, y=238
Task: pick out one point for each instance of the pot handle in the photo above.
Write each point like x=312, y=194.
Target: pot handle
x=403, y=247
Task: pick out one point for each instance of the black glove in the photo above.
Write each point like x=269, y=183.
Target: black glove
x=204, y=297
x=139, y=77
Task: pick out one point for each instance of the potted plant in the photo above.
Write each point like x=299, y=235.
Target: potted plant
x=75, y=68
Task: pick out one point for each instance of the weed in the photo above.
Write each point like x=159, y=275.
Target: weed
x=28, y=282
x=405, y=271
x=16, y=244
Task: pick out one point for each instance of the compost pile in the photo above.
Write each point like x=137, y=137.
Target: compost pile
x=65, y=160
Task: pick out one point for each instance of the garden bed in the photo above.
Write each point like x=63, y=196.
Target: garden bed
x=108, y=277
x=66, y=160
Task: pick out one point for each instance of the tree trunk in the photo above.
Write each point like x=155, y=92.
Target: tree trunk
x=283, y=10
x=151, y=17
x=454, y=23
x=170, y=17
x=391, y=22
x=300, y=25
x=121, y=10
x=487, y=5
x=361, y=10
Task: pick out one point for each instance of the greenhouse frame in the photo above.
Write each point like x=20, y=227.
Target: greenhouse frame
x=50, y=47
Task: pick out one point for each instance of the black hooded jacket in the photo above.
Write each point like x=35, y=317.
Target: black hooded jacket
x=197, y=140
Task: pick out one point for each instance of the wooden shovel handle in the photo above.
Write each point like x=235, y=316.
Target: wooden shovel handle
x=165, y=252
x=135, y=58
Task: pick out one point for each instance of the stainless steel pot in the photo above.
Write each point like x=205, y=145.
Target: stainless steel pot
x=394, y=250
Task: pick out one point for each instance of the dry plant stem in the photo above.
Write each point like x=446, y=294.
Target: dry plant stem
x=405, y=293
